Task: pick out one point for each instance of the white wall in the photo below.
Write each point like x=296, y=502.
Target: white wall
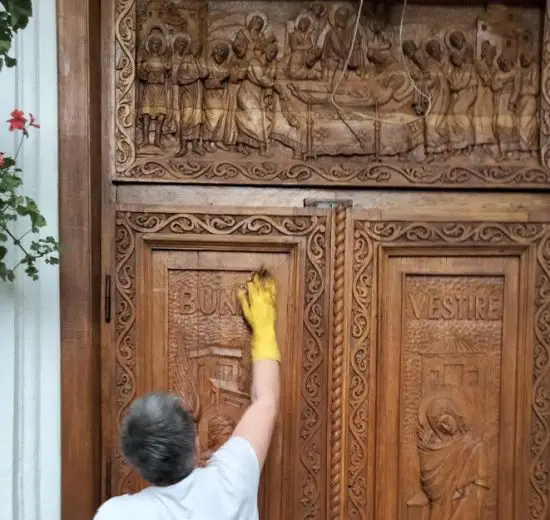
x=29, y=311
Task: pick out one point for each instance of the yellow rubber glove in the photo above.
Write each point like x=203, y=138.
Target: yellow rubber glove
x=259, y=310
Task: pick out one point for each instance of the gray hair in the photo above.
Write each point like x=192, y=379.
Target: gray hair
x=158, y=439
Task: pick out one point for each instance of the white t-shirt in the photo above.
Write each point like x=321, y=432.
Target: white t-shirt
x=226, y=489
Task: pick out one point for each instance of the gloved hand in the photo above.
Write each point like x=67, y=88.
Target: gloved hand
x=259, y=310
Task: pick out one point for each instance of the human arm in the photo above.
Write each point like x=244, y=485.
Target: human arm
x=258, y=421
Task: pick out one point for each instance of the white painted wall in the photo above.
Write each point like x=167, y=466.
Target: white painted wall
x=30, y=453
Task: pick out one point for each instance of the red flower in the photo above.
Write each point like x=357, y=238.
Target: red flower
x=33, y=122
x=1, y=159
x=17, y=121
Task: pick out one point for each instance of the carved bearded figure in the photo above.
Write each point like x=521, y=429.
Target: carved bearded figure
x=153, y=73
x=452, y=461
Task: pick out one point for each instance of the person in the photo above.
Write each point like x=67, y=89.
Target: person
x=159, y=439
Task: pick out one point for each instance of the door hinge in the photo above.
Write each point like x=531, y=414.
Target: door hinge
x=107, y=298
x=108, y=468
x=328, y=203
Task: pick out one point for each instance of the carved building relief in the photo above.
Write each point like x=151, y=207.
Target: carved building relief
x=256, y=91
x=209, y=366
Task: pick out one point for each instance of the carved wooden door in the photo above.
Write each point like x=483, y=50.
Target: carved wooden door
x=178, y=327
x=449, y=357
x=415, y=354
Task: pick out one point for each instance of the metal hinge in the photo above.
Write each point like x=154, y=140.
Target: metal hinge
x=328, y=203
x=107, y=489
x=107, y=298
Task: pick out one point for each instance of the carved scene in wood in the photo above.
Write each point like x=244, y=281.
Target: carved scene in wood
x=183, y=331
x=457, y=408
x=220, y=90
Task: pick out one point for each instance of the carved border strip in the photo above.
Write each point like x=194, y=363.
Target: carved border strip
x=314, y=229
x=128, y=167
x=368, y=236
x=545, y=91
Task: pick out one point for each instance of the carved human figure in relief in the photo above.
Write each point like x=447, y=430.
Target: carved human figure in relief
x=153, y=73
x=305, y=65
x=337, y=43
x=524, y=101
x=215, y=98
x=437, y=127
x=453, y=464
x=417, y=67
x=483, y=108
x=504, y=117
x=463, y=87
x=189, y=77
x=254, y=34
x=238, y=67
x=253, y=116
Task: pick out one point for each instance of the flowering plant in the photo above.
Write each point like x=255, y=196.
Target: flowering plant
x=14, y=206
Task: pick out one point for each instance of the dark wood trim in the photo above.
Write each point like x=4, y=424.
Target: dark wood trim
x=79, y=41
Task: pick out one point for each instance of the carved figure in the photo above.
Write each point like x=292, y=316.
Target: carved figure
x=337, y=44
x=437, y=128
x=305, y=65
x=153, y=74
x=483, y=108
x=215, y=98
x=190, y=73
x=463, y=87
x=253, y=33
x=504, y=119
x=238, y=70
x=253, y=115
x=452, y=457
x=524, y=101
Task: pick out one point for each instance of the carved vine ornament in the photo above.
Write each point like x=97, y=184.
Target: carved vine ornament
x=212, y=92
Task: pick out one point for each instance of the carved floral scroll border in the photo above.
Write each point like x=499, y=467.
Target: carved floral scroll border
x=314, y=229
x=370, y=173
x=367, y=238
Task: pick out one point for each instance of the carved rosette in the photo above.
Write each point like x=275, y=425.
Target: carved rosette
x=314, y=230
x=368, y=236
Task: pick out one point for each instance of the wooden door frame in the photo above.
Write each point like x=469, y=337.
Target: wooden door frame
x=79, y=47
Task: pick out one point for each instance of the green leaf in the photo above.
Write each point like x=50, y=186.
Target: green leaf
x=10, y=62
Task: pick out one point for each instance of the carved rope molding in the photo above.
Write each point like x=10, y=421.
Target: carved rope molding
x=314, y=230
x=367, y=238
x=369, y=172
x=337, y=367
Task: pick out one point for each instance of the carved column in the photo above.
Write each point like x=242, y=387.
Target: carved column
x=545, y=91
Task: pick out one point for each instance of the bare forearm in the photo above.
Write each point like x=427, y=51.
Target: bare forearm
x=258, y=421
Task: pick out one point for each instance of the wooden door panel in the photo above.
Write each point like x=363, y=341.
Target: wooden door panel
x=449, y=361
x=179, y=328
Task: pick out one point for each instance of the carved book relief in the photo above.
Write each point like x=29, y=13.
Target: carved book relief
x=307, y=91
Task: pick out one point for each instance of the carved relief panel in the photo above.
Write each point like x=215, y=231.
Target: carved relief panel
x=319, y=93
x=179, y=328
x=448, y=408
